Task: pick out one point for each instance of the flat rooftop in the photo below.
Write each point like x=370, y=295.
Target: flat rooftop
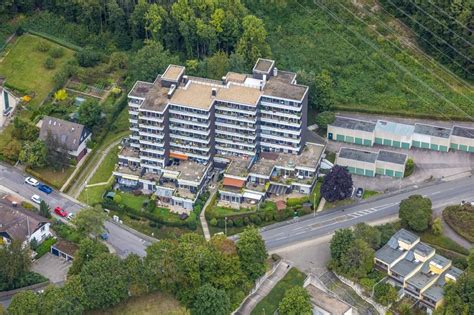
x=140, y=89
x=354, y=124
x=395, y=128
x=326, y=301
x=238, y=166
x=188, y=170
x=157, y=97
x=406, y=265
x=128, y=171
x=280, y=87
x=358, y=155
x=173, y=73
x=264, y=65
x=235, y=77
x=392, y=157
x=434, y=131
x=463, y=132
x=129, y=152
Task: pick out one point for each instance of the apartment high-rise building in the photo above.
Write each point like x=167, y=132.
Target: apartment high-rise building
x=181, y=118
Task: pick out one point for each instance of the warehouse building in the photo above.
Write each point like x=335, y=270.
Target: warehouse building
x=352, y=131
x=368, y=163
x=394, y=134
x=431, y=137
x=462, y=139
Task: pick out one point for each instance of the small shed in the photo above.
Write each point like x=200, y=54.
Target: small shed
x=64, y=249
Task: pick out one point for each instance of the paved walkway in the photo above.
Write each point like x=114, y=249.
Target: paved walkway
x=263, y=289
x=202, y=216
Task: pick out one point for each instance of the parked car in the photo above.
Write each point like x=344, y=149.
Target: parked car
x=32, y=181
x=45, y=188
x=359, y=192
x=60, y=211
x=36, y=199
x=70, y=216
x=104, y=236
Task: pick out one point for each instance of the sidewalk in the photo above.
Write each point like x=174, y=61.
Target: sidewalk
x=202, y=216
x=263, y=288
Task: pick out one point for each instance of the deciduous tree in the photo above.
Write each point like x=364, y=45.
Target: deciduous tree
x=295, y=301
x=88, y=250
x=24, y=302
x=89, y=113
x=33, y=154
x=358, y=260
x=211, y=301
x=15, y=261
x=342, y=240
x=415, y=212
x=337, y=185
x=90, y=222
x=252, y=44
x=369, y=234
x=252, y=253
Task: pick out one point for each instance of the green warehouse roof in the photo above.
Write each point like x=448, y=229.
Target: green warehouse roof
x=358, y=155
x=354, y=124
x=434, y=131
x=392, y=157
x=394, y=128
x=463, y=132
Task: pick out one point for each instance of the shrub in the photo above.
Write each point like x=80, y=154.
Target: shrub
x=43, y=46
x=230, y=223
x=88, y=57
x=292, y=202
x=56, y=52
x=238, y=222
x=213, y=222
x=409, y=167
x=385, y=294
x=221, y=223
x=49, y=63
x=246, y=220
x=324, y=119
x=117, y=198
x=44, y=247
x=27, y=205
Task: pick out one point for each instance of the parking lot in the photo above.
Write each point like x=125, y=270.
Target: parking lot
x=52, y=267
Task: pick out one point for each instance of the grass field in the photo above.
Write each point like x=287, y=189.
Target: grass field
x=157, y=303
x=53, y=177
x=106, y=168
x=23, y=67
x=269, y=304
x=371, y=58
x=461, y=219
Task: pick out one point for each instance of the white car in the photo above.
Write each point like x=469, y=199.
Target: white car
x=32, y=181
x=70, y=216
x=36, y=199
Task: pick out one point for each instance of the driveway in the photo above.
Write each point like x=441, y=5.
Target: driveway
x=52, y=267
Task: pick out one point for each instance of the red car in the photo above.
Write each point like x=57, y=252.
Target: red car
x=60, y=211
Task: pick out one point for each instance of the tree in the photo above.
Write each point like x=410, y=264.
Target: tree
x=154, y=20
x=137, y=19
x=12, y=149
x=149, y=61
x=24, y=130
x=88, y=57
x=15, y=261
x=415, y=213
x=385, y=293
x=211, y=301
x=409, y=167
x=252, y=43
x=252, y=252
x=24, y=302
x=88, y=250
x=337, y=185
x=89, y=113
x=60, y=95
x=90, y=222
x=136, y=275
x=45, y=210
x=358, y=260
x=295, y=301
x=33, y=154
x=324, y=119
x=340, y=243
x=104, y=281
x=57, y=301
x=321, y=86
x=161, y=264
x=369, y=234
x=437, y=226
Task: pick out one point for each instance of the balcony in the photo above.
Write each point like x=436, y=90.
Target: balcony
x=190, y=146
x=281, y=114
x=189, y=114
x=280, y=146
x=237, y=118
x=204, y=132
x=235, y=126
x=236, y=133
x=235, y=150
x=282, y=106
x=159, y=119
x=189, y=138
x=283, y=138
x=158, y=151
x=144, y=133
x=285, y=129
x=249, y=111
x=236, y=142
x=190, y=122
x=276, y=120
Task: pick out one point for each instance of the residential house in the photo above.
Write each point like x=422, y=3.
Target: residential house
x=325, y=302
x=69, y=136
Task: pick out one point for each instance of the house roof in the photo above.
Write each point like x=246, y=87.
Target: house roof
x=358, y=155
x=326, y=301
x=406, y=265
x=233, y=182
x=391, y=251
x=19, y=223
x=392, y=157
x=354, y=124
x=463, y=132
x=394, y=128
x=434, y=131
x=66, y=247
x=65, y=132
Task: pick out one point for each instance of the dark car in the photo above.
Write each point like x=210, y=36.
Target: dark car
x=45, y=188
x=359, y=192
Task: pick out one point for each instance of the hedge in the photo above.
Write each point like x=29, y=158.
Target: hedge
x=293, y=202
x=27, y=279
x=44, y=247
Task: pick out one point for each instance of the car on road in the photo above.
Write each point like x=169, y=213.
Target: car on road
x=104, y=236
x=70, y=216
x=32, y=181
x=359, y=192
x=45, y=188
x=36, y=199
x=61, y=212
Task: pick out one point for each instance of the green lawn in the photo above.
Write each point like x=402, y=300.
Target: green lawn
x=55, y=178
x=372, y=70
x=106, y=168
x=156, y=303
x=339, y=203
x=24, y=70
x=92, y=195
x=369, y=193
x=132, y=201
x=461, y=219
x=269, y=304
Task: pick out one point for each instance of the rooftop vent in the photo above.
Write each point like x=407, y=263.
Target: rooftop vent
x=214, y=92
x=171, y=91
x=185, y=79
x=275, y=71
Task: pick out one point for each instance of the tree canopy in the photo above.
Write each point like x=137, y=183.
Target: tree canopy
x=90, y=222
x=337, y=185
x=211, y=301
x=252, y=253
x=89, y=113
x=295, y=301
x=415, y=213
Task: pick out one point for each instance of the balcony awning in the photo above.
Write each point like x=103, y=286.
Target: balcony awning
x=233, y=182
x=253, y=196
x=179, y=156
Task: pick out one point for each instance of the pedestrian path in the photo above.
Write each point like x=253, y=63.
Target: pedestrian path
x=263, y=287
x=202, y=216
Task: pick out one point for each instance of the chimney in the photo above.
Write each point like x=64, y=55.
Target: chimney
x=275, y=71
x=264, y=78
x=214, y=92
x=171, y=91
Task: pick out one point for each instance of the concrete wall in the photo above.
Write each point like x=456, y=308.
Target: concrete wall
x=393, y=140
x=462, y=144
x=390, y=169
x=357, y=167
x=430, y=142
x=350, y=136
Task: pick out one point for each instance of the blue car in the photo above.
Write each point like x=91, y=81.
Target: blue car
x=46, y=189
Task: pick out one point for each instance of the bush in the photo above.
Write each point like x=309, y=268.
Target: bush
x=56, y=52
x=213, y=222
x=238, y=222
x=88, y=57
x=44, y=247
x=324, y=119
x=385, y=294
x=117, y=198
x=43, y=46
x=293, y=202
x=49, y=63
x=27, y=205
x=29, y=278
x=409, y=167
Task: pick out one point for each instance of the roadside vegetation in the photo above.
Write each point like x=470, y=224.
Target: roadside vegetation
x=461, y=219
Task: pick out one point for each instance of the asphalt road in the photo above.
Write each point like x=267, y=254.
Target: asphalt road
x=120, y=239
x=326, y=222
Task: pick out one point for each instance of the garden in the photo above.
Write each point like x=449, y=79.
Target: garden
x=461, y=219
